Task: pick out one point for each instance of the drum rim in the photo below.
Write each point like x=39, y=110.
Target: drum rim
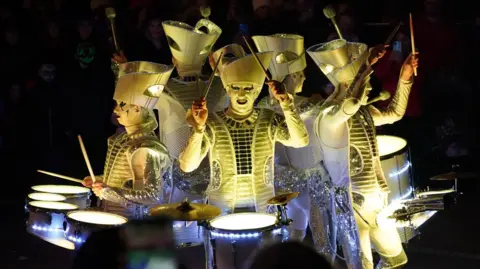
x=89, y=224
x=33, y=199
x=67, y=195
x=210, y=228
x=36, y=209
x=395, y=153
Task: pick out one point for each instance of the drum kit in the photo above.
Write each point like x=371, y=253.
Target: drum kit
x=61, y=214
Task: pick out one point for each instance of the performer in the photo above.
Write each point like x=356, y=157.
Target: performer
x=136, y=160
x=240, y=139
x=346, y=128
x=190, y=47
x=296, y=167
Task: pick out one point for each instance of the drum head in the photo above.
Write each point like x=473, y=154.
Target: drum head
x=388, y=144
x=50, y=197
x=53, y=205
x=244, y=221
x=61, y=189
x=97, y=218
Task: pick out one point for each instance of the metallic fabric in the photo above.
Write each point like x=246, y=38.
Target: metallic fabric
x=132, y=188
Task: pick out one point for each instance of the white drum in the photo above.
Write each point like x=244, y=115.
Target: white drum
x=46, y=218
x=396, y=166
x=81, y=223
x=77, y=195
x=234, y=238
x=48, y=197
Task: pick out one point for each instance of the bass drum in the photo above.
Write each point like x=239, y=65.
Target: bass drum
x=396, y=165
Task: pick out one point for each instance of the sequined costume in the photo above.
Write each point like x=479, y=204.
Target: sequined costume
x=136, y=161
x=241, y=151
x=190, y=48
x=346, y=128
x=298, y=168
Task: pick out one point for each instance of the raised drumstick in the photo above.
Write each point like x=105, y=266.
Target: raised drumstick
x=212, y=77
x=412, y=38
x=61, y=176
x=256, y=58
x=87, y=161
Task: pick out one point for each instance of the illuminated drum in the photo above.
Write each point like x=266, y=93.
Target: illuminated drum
x=396, y=165
x=79, y=196
x=46, y=218
x=243, y=231
x=80, y=224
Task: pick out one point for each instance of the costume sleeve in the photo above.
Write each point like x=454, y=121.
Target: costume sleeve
x=196, y=149
x=290, y=129
x=397, y=107
x=148, y=165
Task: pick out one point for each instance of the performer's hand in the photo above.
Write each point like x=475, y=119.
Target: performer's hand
x=377, y=53
x=278, y=90
x=119, y=57
x=87, y=182
x=409, y=65
x=97, y=188
x=199, y=114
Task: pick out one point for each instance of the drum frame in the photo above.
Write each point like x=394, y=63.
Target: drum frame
x=81, y=229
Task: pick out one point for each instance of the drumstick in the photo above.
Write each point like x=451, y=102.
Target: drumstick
x=413, y=41
x=212, y=77
x=392, y=35
x=256, y=58
x=87, y=161
x=61, y=176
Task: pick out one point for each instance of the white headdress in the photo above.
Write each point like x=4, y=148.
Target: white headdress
x=141, y=83
x=339, y=60
x=289, y=53
x=189, y=45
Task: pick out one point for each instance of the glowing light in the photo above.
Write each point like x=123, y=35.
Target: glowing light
x=401, y=171
x=155, y=90
x=388, y=144
x=244, y=221
x=76, y=239
x=241, y=235
x=100, y=218
x=405, y=196
x=53, y=205
x=46, y=228
x=61, y=189
x=50, y=197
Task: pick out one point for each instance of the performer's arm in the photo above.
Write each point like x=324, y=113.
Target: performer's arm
x=199, y=144
x=397, y=107
x=148, y=165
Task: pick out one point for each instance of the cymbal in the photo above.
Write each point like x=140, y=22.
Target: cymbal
x=283, y=199
x=186, y=211
x=453, y=176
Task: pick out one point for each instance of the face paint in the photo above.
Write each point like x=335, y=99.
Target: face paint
x=126, y=114
x=242, y=97
x=85, y=53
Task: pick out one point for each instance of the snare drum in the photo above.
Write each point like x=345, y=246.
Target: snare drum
x=234, y=238
x=81, y=223
x=40, y=196
x=46, y=218
x=79, y=196
x=396, y=165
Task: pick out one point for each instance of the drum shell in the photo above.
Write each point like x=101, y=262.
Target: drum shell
x=78, y=231
x=187, y=236
x=47, y=222
x=397, y=170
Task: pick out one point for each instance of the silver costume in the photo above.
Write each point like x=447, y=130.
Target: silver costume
x=136, y=161
x=346, y=128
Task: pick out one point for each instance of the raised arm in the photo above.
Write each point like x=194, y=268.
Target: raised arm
x=198, y=145
x=397, y=107
x=148, y=164
x=290, y=129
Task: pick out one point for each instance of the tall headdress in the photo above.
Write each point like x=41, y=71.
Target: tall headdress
x=190, y=45
x=289, y=53
x=244, y=69
x=229, y=54
x=141, y=83
x=339, y=60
